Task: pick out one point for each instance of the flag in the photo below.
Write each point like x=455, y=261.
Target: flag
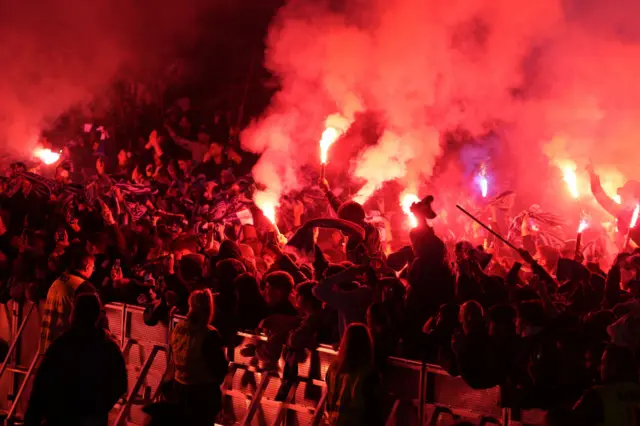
x=504, y=200
x=245, y=217
x=137, y=210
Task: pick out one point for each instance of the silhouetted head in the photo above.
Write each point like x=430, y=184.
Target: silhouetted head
x=352, y=211
x=618, y=365
x=86, y=311
x=201, y=307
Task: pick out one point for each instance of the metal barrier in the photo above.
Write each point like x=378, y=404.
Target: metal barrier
x=19, y=323
x=416, y=393
x=451, y=395
x=145, y=351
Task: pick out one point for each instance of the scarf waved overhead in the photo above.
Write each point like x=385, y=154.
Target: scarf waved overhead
x=548, y=226
x=303, y=238
x=44, y=186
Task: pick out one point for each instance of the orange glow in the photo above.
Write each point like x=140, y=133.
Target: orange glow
x=47, y=156
x=406, y=201
x=611, y=179
x=382, y=163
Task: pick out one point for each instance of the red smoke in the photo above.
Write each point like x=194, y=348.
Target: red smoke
x=58, y=53
x=541, y=70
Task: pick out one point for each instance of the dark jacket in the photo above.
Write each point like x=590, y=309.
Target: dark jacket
x=81, y=377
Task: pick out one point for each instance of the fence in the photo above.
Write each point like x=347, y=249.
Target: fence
x=251, y=395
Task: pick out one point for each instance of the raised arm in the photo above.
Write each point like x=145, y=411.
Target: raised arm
x=601, y=197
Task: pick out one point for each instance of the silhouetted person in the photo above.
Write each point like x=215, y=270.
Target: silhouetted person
x=616, y=401
x=352, y=381
x=82, y=374
x=199, y=361
x=63, y=291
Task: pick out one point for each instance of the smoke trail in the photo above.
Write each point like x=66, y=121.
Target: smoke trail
x=535, y=71
x=416, y=63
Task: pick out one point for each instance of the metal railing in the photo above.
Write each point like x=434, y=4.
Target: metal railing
x=11, y=362
x=416, y=393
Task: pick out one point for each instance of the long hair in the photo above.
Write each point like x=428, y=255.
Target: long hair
x=356, y=349
x=200, y=308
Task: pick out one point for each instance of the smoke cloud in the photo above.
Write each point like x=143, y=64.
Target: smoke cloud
x=58, y=53
x=536, y=72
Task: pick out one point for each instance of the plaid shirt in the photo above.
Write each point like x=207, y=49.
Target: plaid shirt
x=56, y=316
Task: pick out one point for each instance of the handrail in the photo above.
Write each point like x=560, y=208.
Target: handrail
x=12, y=410
x=132, y=324
x=404, y=363
x=255, y=401
x=16, y=339
x=136, y=387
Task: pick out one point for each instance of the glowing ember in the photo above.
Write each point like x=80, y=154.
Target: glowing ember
x=47, y=156
x=406, y=201
x=634, y=218
x=329, y=136
x=583, y=225
x=571, y=180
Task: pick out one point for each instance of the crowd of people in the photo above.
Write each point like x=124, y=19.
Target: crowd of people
x=169, y=224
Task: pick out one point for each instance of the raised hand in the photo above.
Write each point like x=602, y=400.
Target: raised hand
x=324, y=184
x=526, y=256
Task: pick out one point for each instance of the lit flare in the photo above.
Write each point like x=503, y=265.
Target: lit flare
x=47, y=156
x=634, y=217
x=335, y=126
x=329, y=136
x=267, y=203
x=583, y=226
x=484, y=186
x=406, y=202
x=571, y=179
x=483, y=182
